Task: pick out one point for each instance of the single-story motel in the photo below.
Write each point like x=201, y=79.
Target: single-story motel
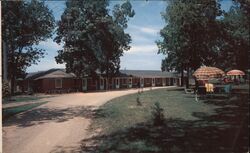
x=58, y=81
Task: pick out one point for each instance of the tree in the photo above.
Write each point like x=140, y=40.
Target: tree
x=234, y=48
x=190, y=36
x=24, y=24
x=93, y=39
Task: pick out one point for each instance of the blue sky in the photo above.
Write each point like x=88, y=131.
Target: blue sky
x=144, y=29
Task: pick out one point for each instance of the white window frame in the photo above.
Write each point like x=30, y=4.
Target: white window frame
x=60, y=86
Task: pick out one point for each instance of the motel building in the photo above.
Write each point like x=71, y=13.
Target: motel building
x=58, y=81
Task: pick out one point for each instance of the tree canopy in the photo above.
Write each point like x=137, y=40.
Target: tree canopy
x=200, y=33
x=24, y=24
x=93, y=39
x=235, y=42
x=190, y=34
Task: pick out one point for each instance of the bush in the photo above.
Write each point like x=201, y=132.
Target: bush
x=5, y=89
x=138, y=101
x=157, y=114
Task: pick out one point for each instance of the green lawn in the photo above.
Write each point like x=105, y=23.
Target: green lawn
x=7, y=112
x=16, y=99
x=21, y=99
x=209, y=125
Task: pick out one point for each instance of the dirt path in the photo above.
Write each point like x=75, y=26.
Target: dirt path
x=58, y=126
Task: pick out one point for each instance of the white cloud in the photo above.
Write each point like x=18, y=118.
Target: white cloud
x=50, y=44
x=145, y=29
x=138, y=37
x=142, y=49
x=149, y=30
x=62, y=66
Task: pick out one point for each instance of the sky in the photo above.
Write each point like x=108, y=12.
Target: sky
x=143, y=28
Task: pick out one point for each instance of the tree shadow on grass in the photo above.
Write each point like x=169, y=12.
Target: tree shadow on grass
x=43, y=115
x=226, y=131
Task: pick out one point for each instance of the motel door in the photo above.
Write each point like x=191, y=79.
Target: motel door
x=163, y=81
x=130, y=82
x=142, y=82
x=117, y=83
x=153, y=82
x=84, y=84
x=101, y=83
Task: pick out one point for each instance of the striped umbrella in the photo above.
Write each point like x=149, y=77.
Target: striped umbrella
x=235, y=72
x=205, y=73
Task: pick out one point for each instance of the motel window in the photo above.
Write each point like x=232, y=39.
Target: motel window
x=58, y=83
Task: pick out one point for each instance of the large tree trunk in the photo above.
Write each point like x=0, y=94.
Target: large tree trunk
x=187, y=79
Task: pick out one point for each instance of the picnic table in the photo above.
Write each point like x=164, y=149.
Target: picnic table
x=217, y=89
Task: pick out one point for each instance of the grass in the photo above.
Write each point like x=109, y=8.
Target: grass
x=21, y=99
x=8, y=112
x=210, y=125
x=124, y=112
x=17, y=99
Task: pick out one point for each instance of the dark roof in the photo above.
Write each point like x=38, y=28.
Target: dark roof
x=148, y=73
x=35, y=75
x=51, y=73
x=61, y=73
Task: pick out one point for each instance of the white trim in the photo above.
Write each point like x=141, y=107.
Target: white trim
x=60, y=85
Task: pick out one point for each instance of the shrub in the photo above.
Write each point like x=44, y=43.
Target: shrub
x=138, y=101
x=5, y=89
x=157, y=114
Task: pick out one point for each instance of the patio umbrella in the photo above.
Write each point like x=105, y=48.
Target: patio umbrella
x=206, y=73
x=235, y=73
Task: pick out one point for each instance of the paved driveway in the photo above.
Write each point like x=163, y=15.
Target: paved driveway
x=58, y=126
